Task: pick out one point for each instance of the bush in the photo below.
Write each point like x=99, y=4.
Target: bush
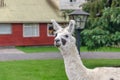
x=104, y=30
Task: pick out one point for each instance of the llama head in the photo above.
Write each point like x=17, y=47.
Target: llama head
x=63, y=36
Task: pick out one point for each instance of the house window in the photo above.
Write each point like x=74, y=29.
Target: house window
x=50, y=30
x=5, y=29
x=31, y=30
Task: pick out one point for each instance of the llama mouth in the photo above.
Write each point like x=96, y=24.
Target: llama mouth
x=57, y=45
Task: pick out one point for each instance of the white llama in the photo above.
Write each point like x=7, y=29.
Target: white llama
x=74, y=67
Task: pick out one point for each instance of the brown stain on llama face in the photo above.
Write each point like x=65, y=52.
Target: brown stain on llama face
x=63, y=41
x=111, y=79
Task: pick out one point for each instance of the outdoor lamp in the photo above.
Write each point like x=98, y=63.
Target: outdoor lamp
x=80, y=17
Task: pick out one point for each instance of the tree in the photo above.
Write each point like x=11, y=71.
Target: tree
x=105, y=29
x=95, y=7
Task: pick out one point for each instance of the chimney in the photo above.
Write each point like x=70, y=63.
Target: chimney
x=2, y=3
x=54, y=3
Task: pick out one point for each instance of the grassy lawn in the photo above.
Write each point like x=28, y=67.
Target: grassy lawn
x=43, y=69
x=32, y=70
x=31, y=49
x=54, y=49
x=108, y=49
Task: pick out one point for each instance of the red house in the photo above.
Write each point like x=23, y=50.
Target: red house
x=27, y=22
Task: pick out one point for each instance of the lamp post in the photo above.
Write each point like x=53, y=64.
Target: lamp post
x=80, y=17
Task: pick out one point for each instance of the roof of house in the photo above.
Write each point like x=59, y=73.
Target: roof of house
x=17, y=11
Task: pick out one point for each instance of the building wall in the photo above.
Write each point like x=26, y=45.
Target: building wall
x=17, y=39
x=67, y=4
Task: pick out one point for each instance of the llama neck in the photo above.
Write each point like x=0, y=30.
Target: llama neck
x=74, y=67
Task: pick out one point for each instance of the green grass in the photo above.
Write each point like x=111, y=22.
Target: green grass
x=92, y=63
x=44, y=69
x=54, y=49
x=31, y=49
x=32, y=70
x=102, y=49
x=108, y=49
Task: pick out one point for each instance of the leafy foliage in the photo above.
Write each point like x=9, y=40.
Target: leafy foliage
x=103, y=30
x=94, y=7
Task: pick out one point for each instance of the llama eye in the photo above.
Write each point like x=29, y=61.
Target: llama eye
x=55, y=34
x=66, y=36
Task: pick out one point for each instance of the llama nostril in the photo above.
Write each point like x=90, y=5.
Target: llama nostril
x=57, y=40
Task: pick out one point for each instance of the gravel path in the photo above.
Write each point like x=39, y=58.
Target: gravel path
x=33, y=56
x=10, y=50
x=38, y=56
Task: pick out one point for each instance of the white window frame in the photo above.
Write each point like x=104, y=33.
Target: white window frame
x=36, y=32
x=48, y=31
x=7, y=29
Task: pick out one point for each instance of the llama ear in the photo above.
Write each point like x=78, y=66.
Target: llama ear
x=71, y=26
x=56, y=26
